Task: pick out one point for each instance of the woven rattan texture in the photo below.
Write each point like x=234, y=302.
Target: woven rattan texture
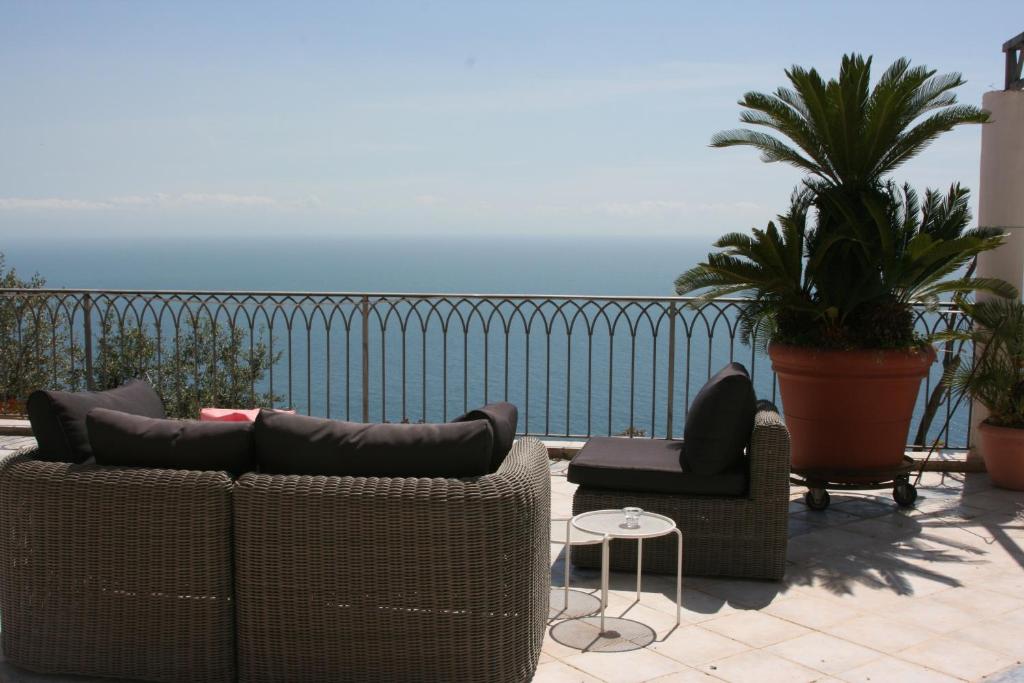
x=122, y=572
x=392, y=579
x=740, y=537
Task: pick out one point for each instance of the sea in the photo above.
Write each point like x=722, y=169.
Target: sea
x=643, y=266
x=565, y=385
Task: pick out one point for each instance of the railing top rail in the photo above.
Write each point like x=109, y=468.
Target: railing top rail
x=380, y=295
x=390, y=295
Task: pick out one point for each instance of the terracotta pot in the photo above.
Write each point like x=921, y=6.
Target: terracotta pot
x=1003, y=451
x=848, y=411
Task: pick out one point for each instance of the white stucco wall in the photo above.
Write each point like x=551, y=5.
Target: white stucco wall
x=1001, y=192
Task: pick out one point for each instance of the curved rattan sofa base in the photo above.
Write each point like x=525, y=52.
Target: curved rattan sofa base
x=386, y=579
x=116, y=572
x=163, y=575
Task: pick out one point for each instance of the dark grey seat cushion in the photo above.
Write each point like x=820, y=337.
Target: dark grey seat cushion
x=719, y=422
x=503, y=418
x=58, y=417
x=125, y=440
x=650, y=465
x=296, y=444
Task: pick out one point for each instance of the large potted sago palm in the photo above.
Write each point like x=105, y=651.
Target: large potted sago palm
x=833, y=283
x=995, y=378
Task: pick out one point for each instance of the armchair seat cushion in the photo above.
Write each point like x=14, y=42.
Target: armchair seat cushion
x=650, y=465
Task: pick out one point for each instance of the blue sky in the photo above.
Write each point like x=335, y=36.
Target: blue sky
x=425, y=118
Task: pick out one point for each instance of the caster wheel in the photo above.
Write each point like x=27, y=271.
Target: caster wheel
x=904, y=494
x=817, y=499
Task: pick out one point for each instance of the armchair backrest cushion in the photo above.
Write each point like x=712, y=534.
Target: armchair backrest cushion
x=503, y=418
x=719, y=422
x=125, y=440
x=58, y=417
x=297, y=444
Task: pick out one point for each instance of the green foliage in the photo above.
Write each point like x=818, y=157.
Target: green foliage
x=995, y=375
x=29, y=329
x=841, y=268
x=207, y=365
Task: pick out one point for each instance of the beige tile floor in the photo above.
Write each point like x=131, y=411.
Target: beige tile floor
x=872, y=593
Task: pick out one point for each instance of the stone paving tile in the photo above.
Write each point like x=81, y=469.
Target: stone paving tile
x=756, y=629
x=798, y=527
x=867, y=507
x=892, y=669
x=833, y=516
x=812, y=611
x=957, y=658
x=999, y=634
x=935, y=615
x=688, y=676
x=880, y=633
x=989, y=603
x=760, y=666
x=742, y=593
x=635, y=666
x=560, y=672
x=826, y=541
x=825, y=653
x=693, y=645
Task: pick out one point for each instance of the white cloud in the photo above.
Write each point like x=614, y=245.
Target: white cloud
x=158, y=200
x=51, y=204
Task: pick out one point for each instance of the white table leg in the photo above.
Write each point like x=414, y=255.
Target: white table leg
x=639, y=565
x=679, y=574
x=568, y=550
x=604, y=579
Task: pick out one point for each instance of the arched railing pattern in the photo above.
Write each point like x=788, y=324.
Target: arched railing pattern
x=576, y=366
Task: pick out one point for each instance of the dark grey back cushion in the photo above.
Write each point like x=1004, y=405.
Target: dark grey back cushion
x=503, y=418
x=58, y=417
x=719, y=422
x=125, y=440
x=296, y=444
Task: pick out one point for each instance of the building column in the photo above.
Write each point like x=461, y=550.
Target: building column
x=1001, y=196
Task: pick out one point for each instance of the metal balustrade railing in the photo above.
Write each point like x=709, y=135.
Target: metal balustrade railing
x=575, y=365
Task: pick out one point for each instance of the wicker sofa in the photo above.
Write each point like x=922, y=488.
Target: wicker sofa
x=169, y=575
x=737, y=536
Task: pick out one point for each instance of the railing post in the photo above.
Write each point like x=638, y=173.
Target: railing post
x=671, y=367
x=87, y=316
x=366, y=358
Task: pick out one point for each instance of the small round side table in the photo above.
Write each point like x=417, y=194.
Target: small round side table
x=611, y=524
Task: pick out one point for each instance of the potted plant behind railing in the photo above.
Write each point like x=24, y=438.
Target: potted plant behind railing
x=995, y=378
x=833, y=284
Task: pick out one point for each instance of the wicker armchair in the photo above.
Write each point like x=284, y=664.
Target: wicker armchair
x=116, y=572
x=385, y=579
x=740, y=537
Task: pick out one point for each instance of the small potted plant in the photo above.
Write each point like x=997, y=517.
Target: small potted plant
x=995, y=378
x=833, y=284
